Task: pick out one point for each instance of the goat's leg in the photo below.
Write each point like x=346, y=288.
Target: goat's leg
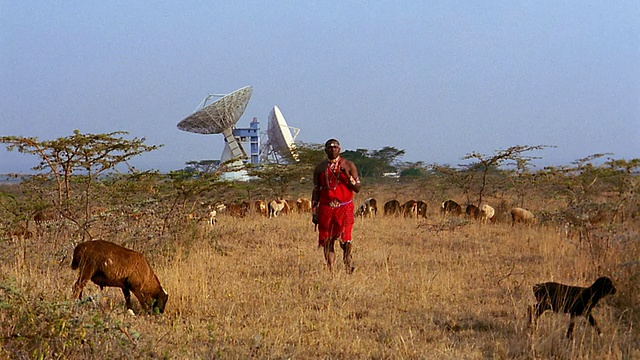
x=77, y=288
x=127, y=297
x=540, y=307
x=534, y=312
x=142, y=300
x=530, y=315
x=593, y=323
x=571, y=325
x=79, y=285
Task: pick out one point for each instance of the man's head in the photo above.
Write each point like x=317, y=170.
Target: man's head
x=332, y=148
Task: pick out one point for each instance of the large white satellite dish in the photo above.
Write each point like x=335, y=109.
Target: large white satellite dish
x=280, y=141
x=220, y=117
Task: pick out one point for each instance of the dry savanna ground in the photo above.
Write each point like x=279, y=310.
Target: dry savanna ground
x=253, y=287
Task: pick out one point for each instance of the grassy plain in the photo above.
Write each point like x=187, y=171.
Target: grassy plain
x=253, y=287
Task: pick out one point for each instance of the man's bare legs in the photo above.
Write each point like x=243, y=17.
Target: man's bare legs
x=329, y=252
x=346, y=256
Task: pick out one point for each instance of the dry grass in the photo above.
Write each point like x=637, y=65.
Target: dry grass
x=258, y=287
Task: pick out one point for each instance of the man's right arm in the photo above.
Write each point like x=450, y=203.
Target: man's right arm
x=315, y=195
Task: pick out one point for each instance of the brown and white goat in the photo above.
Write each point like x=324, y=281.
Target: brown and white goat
x=111, y=265
x=369, y=208
x=277, y=207
x=422, y=209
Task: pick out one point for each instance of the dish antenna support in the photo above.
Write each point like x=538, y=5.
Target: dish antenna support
x=220, y=117
x=280, y=140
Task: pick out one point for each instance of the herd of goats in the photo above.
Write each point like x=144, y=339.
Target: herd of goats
x=110, y=265
x=369, y=208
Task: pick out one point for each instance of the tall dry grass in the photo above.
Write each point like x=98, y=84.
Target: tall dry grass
x=254, y=287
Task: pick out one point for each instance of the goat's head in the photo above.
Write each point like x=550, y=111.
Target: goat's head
x=604, y=285
x=159, y=301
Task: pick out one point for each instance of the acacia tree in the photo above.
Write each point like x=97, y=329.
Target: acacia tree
x=279, y=178
x=82, y=156
x=487, y=162
x=582, y=179
x=522, y=179
x=184, y=190
x=623, y=182
x=598, y=194
x=460, y=178
x=584, y=182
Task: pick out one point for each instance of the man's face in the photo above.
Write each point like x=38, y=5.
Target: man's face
x=332, y=150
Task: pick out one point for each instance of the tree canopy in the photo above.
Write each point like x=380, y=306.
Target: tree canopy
x=374, y=163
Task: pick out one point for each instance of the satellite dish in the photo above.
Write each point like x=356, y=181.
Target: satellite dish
x=220, y=117
x=280, y=141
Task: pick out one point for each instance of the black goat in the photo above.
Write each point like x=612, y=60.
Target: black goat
x=573, y=300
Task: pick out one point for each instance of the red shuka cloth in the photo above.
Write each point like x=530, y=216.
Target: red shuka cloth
x=335, y=212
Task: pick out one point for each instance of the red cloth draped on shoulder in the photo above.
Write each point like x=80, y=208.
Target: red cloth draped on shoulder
x=334, y=184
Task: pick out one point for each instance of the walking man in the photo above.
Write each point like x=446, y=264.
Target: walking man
x=335, y=181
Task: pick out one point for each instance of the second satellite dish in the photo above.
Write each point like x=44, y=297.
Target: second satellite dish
x=280, y=140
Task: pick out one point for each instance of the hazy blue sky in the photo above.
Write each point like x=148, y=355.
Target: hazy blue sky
x=439, y=79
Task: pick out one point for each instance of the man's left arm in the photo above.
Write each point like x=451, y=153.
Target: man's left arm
x=354, y=180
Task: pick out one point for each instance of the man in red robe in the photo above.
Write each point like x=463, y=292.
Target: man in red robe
x=335, y=181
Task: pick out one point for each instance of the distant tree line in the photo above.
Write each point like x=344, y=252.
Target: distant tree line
x=72, y=169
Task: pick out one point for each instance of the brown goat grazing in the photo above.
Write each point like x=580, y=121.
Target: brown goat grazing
x=261, y=207
x=573, y=300
x=373, y=204
x=240, y=209
x=44, y=216
x=422, y=209
x=111, y=265
x=410, y=209
x=472, y=211
x=19, y=231
x=392, y=207
x=450, y=207
x=303, y=205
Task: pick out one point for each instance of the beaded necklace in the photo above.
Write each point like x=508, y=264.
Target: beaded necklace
x=333, y=168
